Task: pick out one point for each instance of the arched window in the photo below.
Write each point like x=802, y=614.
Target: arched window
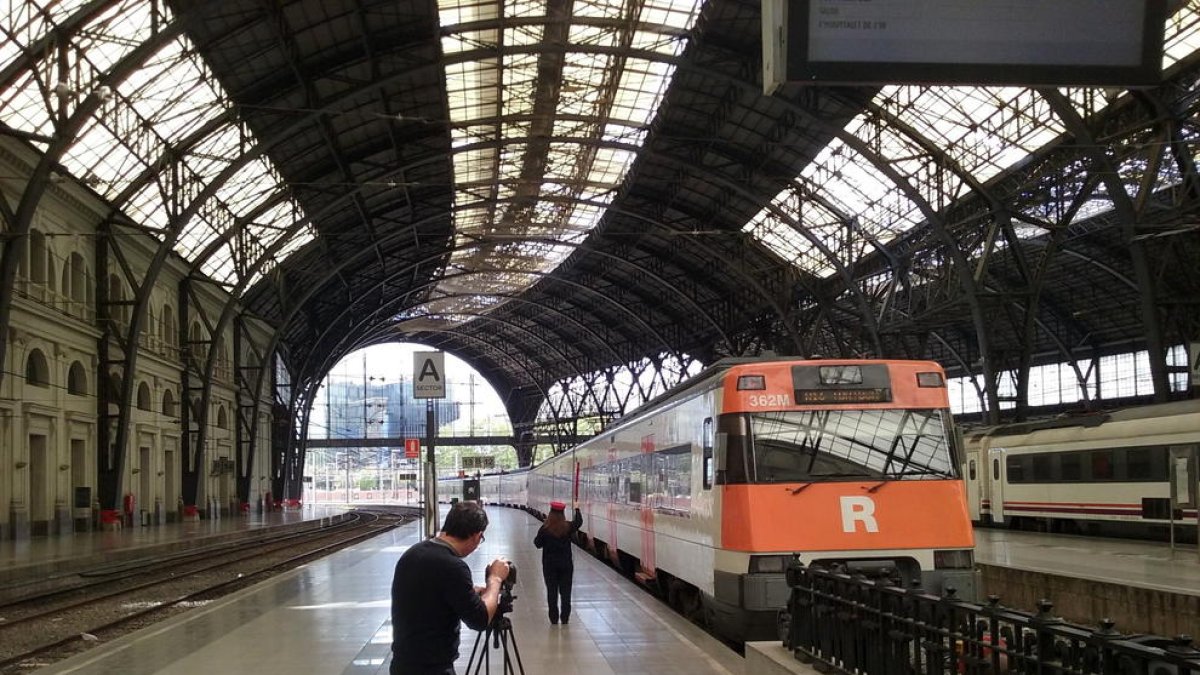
x=198, y=348
x=168, y=404
x=222, y=420
x=37, y=371
x=37, y=257
x=78, y=288
x=169, y=334
x=143, y=397
x=77, y=380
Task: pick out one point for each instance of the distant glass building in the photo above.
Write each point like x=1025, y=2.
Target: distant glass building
x=379, y=410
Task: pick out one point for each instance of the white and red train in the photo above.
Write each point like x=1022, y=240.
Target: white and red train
x=707, y=492
x=1129, y=473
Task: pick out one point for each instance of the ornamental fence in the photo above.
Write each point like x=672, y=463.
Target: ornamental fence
x=843, y=622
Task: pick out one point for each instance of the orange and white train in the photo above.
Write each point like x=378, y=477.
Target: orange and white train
x=707, y=492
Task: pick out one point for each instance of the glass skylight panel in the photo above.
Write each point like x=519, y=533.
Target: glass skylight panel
x=1182, y=37
x=986, y=130
x=22, y=107
x=220, y=267
x=163, y=102
x=101, y=160
x=115, y=31
x=26, y=22
x=573, y=169
x=249, y=187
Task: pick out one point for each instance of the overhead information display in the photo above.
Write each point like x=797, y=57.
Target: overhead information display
x=1019, y=42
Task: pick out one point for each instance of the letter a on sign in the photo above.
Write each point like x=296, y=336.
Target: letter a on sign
x=429, y=375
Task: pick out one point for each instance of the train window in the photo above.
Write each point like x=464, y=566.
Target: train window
x=1016, y=469
x=1102, y=464
x=1043, y=469
x=731, y=466
x=677, y=469
x=971, y=469
x=996, y=469
x=1160, y=463
x=790, y=446
x=1070, y=466
x=1138, y=464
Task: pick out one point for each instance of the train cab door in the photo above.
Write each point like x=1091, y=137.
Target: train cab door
x=971, y=478
x=1184, y=484
x=995, y=480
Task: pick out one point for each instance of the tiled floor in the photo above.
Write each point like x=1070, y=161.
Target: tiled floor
x=333, y=617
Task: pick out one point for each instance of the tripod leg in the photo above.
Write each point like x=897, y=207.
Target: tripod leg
x=483, y=636
x=511, y=637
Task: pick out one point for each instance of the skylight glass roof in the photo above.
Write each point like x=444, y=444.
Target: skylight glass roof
x=535, y=132
x=982, y=130
x=164, y=109
x=542, y=139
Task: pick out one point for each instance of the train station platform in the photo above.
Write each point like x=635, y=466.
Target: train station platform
x=1143, y=586
x=333, y=616
x=1128, y=562
x=44, y=558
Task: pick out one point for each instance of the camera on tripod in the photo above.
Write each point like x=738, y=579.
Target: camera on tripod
x=506, y=591
x=499, y=631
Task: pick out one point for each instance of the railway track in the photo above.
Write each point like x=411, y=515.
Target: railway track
x=47, y=627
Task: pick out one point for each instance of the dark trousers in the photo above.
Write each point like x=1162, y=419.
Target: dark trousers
x=558, y=583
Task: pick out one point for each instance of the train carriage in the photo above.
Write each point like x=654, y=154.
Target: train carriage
x=1129, y=472
x=706, y=492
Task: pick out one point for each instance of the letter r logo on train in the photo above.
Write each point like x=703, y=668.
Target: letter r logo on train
x=857, y=510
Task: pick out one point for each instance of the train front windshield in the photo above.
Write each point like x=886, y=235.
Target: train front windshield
x=811, y=445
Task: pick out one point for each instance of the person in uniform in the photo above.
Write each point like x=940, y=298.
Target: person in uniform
x=554, y=538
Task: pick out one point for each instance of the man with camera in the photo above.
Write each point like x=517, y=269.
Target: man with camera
x=432, y=591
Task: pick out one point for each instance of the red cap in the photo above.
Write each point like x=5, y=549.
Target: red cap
x=557, y=506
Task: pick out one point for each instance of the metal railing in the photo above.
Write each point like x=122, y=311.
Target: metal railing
x=842, y=622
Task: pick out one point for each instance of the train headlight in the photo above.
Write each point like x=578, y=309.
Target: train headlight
x=751, y=382
x=961, y=559
x=768, y=564
x=933, y=379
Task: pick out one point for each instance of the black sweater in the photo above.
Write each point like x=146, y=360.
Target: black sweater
x=432, y=590
x=556, y=551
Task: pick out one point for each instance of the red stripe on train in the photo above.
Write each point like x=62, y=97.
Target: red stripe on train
x=1095, y=509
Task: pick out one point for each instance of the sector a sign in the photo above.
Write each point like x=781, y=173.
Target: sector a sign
x=429, y=375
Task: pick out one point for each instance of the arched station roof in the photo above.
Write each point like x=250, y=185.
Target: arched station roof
x=550, y=188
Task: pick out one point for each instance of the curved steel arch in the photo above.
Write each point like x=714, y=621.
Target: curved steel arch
x=276, y=336
x=1127, y=214
x=678, y=62
x=475, y=271
x=465, y=56
x=380, y=332
x=956, y=256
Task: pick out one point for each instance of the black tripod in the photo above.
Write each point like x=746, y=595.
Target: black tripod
x=500, y=632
